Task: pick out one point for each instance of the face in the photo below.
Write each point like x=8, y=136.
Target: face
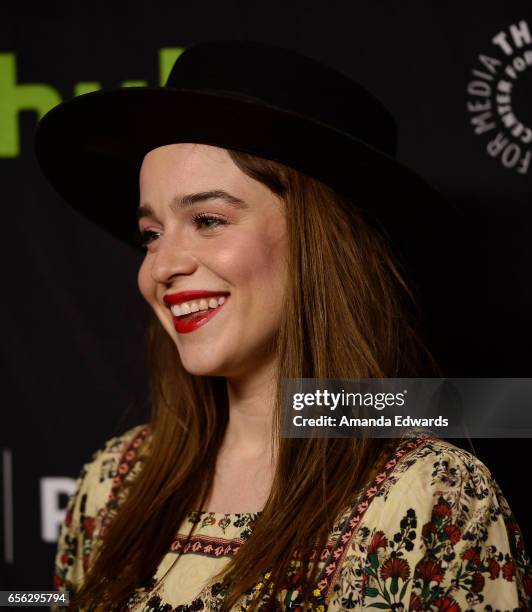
x=210, y=228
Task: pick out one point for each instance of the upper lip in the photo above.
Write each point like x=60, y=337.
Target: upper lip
x=185, y=296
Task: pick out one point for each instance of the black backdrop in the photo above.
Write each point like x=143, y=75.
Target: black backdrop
x=72, y=319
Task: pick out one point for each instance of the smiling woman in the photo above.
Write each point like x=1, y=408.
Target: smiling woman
x=241, y=256
x=261, y=264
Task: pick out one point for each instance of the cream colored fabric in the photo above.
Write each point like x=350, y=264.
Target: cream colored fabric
x=432, y=531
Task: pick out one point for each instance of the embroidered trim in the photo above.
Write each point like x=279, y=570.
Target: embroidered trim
x=208, y=546
x=333, y=554
x=330, y=571
x=127, y=460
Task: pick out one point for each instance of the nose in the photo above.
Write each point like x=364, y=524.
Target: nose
x=172, y=258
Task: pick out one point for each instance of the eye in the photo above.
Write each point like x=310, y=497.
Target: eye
x=208, y=221
x=144, y=238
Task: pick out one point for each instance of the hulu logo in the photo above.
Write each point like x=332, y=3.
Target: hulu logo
x=40, y=97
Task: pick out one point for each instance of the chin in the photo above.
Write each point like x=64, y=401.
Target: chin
x=202, y=367
x=196, y=370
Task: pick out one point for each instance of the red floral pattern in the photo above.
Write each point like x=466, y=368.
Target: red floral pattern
x=431, y=532
x=468, y=554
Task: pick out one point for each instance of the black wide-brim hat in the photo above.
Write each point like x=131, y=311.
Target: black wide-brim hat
x=268, y=101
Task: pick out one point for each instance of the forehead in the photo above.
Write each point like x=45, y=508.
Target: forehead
x=174, y=170
x=186, y=161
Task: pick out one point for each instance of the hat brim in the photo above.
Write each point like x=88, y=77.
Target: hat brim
x=91, y=148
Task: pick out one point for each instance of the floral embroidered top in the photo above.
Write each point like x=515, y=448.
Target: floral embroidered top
x=432, y=531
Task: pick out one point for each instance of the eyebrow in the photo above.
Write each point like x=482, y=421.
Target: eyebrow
x=184, y=201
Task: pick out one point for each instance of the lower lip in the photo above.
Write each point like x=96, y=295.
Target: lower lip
x=185, y=327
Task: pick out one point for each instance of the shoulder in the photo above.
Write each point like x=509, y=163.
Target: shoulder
x=437, y=468
x=434, y=529
x=96, y=476
x=422, y=473
x=90, y=506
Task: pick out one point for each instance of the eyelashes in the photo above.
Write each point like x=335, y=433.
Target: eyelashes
x=203, y=217
x=201, y=220
x=144, y=238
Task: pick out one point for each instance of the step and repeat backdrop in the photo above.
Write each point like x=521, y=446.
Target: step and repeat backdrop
x=457, y=77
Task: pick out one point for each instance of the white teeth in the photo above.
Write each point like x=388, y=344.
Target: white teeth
x=179, y=310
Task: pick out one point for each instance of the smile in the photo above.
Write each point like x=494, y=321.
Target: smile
x=196, y=306
x=194, y=312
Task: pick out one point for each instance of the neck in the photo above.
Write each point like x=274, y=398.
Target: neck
x=251, y=402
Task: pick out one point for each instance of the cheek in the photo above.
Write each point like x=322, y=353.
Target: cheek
x=145, y=282
x=255, y=263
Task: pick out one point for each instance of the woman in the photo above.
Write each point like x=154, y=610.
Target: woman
x=206, y=506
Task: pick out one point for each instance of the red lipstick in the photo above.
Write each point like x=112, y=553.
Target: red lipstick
x=186, y=296
x=200, y=318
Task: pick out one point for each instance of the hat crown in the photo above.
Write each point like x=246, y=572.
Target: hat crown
x=287, y=80
x=266, y=101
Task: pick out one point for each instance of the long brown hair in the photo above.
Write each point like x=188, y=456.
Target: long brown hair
x=349, y=314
